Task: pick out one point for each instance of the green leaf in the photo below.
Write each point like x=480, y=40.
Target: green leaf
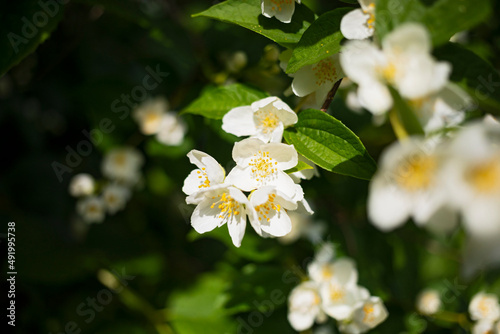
x=443, y=19
x=301, y=165
x=405, y=115
x=320, y=40
x=215, y=102
x=25, y=25
x=330, y=144
x=447, y=17
x=247, y=13
x=482, y=79
x=201, y=308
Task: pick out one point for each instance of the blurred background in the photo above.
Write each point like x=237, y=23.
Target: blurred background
x=176, y=281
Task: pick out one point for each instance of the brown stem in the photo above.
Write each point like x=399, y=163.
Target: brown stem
x=331, y=95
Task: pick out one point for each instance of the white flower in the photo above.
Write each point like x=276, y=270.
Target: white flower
x=443, y=109
x=271, y=206
x=81, y=185
x=472, y=175
x=115, y=197
x=408, y=184
x=359, y=23
x=318, y=78
x=264, y=119
x=281, y=9
x=428, y=302
x=149, y=115
x=484, y=306
x=219, y=205
x=404, y=62
x=304, y=306
x=172, y=129
x=91, y=209
x=259, y=164
x=123, y=165
x=208, y=173
x=483, y=327
x=368, y=315
x=340, y=300
x=342, y=272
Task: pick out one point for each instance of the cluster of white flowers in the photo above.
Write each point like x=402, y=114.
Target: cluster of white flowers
x=485, y=310
x=261, y=162
x=333, y=290
x=432, y=180
x=154, y=118
x=405, y=63
x=121, y=167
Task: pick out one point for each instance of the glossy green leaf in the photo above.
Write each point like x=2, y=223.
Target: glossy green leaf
x=330, y=144
x=25, y=25
x=215, y=102
x=443, y=19
x=247, y=13
x=320, y=40
x=301, y=165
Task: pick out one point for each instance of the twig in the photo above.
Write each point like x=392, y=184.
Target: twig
x=330, y=96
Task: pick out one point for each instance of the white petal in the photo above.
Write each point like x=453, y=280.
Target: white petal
x=279, y=224
x=244, y=150
x=277, y=135
x=205, y=218
x=408, y=38
x=236, y=227
x=301, y=321
x=264, y=102
x=360, y=61
x=304, y=81
x=286, y=12
x=239, y=122
x=354, y=25
x=388, y=207
x=345, y=272
x=375, y=97
x=242, y=178
x=285, y=114
x=285, y=155
x=191, y=183
x=482, y=218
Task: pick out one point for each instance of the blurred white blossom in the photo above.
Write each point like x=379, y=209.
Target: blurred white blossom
x=149, y=115
x=304, y=304
x=404, y=62
x=428, y=302
x=82, y=185
x=484, y=306
x=115, y=197
x=123, y=165
x=92, y=209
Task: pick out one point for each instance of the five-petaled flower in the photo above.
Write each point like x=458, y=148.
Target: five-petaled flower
x=264, y=119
